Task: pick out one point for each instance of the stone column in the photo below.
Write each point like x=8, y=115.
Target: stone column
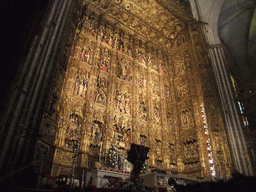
x=231, y=116
x=19, y=125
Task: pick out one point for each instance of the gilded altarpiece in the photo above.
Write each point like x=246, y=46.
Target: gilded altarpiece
x=138, y=73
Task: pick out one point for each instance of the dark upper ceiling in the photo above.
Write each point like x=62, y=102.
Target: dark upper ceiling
x=237, y=31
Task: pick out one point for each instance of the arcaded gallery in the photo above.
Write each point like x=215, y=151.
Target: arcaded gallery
x=103, y=75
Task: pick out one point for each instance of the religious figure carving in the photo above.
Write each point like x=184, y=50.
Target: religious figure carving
x=92, y=22
x=167, y=94
x=86, y=24
x=77, y=84
x=116, y=41
x=81, y=86
x=83, y=55
x=118, y=101
x=158, y=144
x=124, y=70
x=156, y=116
x=142, y=82
x=182, y=91
x=169, y=119
x=163, y=68
x=104, y=64
x=126, y=43
x=122, y=103
x=180, y=69
x=86, y=55
x=96, y=131
x=107, y=35
x=97, y=135
x=137, y=53
x=155, y=64
x=218, y=142
x=101, y=97
x=143, y=111
x=195, y=35
x=127, y=106
x=186, y=119
x=111, y=41
x=155, y=88
x=143, y=140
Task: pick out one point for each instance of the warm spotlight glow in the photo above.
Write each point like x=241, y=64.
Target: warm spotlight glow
x=208, y=142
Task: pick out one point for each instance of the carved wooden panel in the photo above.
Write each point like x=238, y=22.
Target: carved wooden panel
x=133, y=76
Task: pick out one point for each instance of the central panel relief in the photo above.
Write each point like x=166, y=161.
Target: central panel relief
x=123, y=102
x=124, y=68
x=104, y=59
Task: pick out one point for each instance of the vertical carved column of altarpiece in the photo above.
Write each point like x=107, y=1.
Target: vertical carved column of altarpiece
x=182, y=109
x=76, y=84
x=99, y=59
x=217, y=134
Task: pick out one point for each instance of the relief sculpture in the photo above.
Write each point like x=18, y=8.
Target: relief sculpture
x=130, y=82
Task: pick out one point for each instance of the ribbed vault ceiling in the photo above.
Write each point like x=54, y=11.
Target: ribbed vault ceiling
x=235, y=26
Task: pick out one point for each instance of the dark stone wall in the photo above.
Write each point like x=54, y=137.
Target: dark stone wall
x=20, y=22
